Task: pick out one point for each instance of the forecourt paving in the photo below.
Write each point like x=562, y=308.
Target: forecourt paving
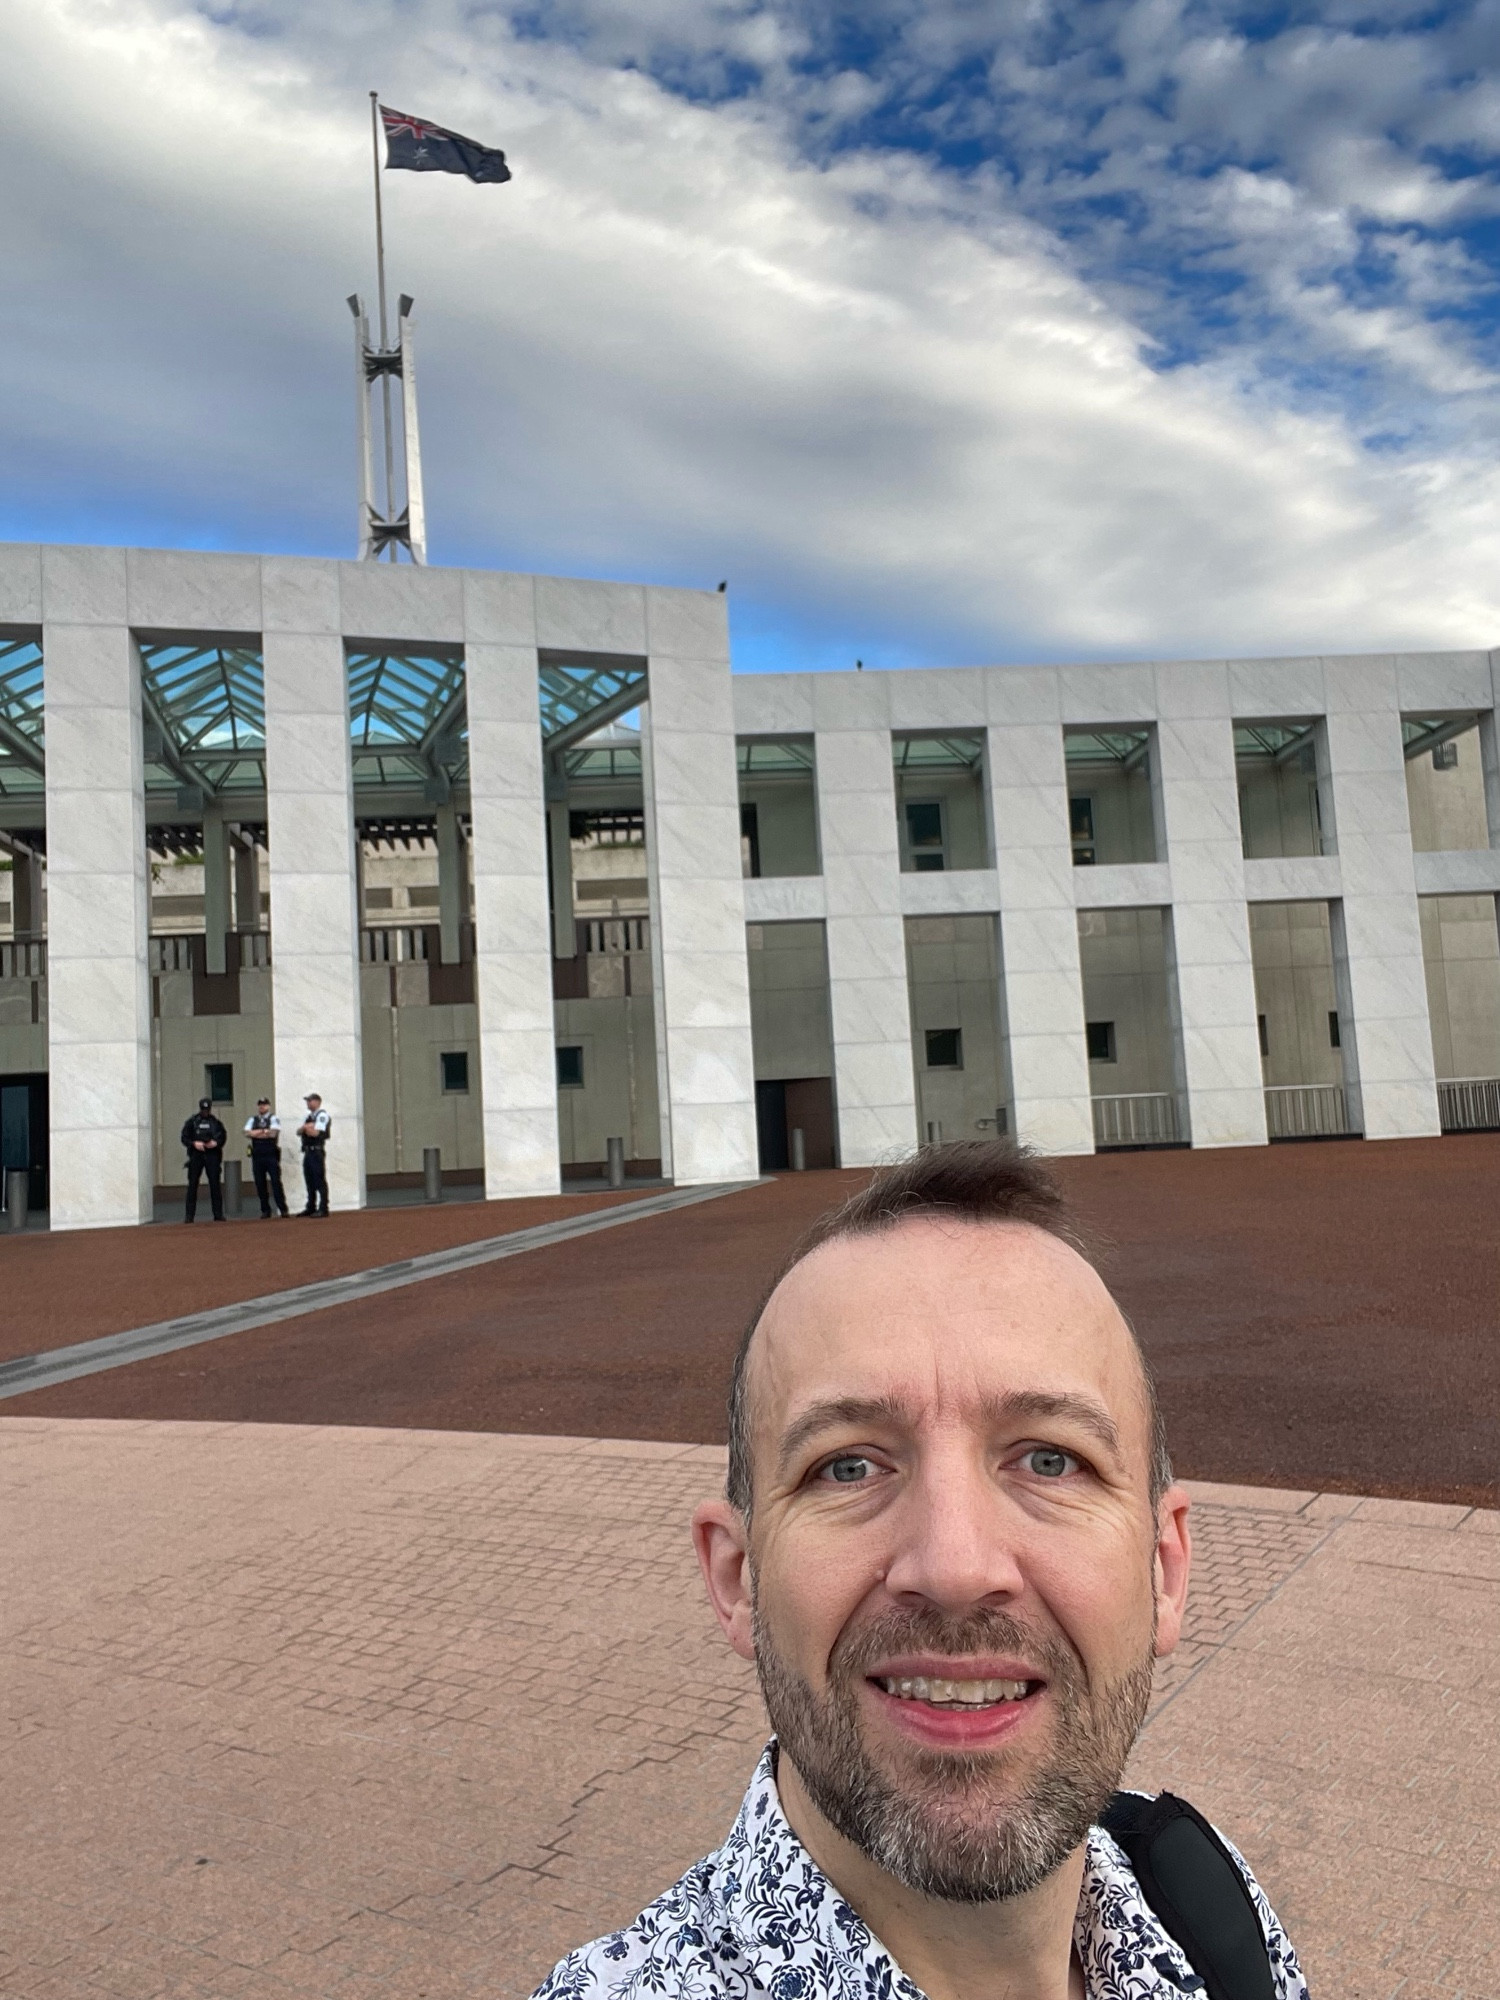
x=1320, y=1316
x=401, y=1715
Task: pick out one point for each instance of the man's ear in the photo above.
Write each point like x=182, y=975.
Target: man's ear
x=724, y=1557
x=1172, y=1561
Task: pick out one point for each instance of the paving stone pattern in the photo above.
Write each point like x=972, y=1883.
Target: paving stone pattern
x=400, y=1714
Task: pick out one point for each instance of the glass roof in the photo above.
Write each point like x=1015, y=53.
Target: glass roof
x=205, y=713
x=1273, y=742
x=21, y=721
x=768, y=756
x=1426, y=732
x=1106, y=746
x=611, y=752
x=408, y=719
x=938, y=753
x=580, y=696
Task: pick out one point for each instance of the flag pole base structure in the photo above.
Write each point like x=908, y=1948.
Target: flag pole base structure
x=387, y=531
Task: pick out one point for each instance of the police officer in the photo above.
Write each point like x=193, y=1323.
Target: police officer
x=203, y=1139
x=264, y=1129
x=313, y=1132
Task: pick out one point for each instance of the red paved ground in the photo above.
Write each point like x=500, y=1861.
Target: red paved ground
x=75, y=1286
x=1323, y=1316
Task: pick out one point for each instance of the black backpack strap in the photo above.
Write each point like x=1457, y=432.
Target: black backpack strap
x=1191, y=1881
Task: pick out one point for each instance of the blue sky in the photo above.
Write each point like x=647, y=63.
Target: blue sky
x=951, y=331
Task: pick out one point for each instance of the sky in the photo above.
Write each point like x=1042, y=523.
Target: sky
x=947, y=331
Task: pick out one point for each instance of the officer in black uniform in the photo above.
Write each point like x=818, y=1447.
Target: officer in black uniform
x=263, y=1128
x=203, y=1139
x=313, y=1132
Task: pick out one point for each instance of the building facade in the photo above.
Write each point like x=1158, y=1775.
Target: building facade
x=514, y=866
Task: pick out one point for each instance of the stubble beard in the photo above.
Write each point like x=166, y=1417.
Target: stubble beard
x=966, y=1827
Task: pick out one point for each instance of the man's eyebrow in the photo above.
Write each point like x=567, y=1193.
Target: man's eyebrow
x=1040, y=1405
x=876, y=1411
x=1020, y=1406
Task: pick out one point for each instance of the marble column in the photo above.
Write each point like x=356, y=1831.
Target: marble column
x=706, y=1071
x=27, y=902
x=1041, y=976
x=512, y=935
x=98, y=896
x=1377, y=931
x=315, y=918
x=215, y=886
x=453, y=901
x=246, y=887
x=560, y=858
x=869, y=998
x=1198, y=814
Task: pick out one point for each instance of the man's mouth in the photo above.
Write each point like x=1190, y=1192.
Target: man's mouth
x=955, y=1694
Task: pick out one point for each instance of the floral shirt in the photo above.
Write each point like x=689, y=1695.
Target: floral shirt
x=760, y=1918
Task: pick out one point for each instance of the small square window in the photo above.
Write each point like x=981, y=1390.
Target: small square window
x=924, y=823
x=1445, y=757
x=1101, y=1038
x=1081, y=828
x=1333, y=1028
x=750, y=841
x=455, y=1064
x=570, y=1068
x=1265, y=1039
x=945, y=1048
x=218, y=1079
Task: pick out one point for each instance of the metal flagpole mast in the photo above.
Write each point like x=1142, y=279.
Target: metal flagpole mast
x=386, y=534
x=385, y=381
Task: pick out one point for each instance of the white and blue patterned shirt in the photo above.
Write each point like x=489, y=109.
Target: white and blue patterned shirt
x=760, y=1918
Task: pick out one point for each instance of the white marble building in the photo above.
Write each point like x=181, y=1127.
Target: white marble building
x=1199, y=902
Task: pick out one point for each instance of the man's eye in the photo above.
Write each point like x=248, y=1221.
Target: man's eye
x=847, y=1471
x=1048, y=1462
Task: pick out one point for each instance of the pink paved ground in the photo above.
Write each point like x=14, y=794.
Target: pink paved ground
x=401, y=1715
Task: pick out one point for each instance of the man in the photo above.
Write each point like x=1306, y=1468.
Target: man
x=313, y=1132
x=951, y=1544
x=264, y=1129
x=203, y=1140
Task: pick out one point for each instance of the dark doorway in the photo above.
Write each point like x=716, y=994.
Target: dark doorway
x=785, y=1105
x=770, y=1127
x=23, y=1131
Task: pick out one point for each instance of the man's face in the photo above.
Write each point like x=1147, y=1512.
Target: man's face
x=954, y=1570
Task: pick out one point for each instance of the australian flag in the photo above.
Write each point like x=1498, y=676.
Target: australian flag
x=431, y=149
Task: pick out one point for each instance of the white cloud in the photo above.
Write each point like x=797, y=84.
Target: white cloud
x=876, y=395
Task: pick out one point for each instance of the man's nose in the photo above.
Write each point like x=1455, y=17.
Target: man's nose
x=955, y=1545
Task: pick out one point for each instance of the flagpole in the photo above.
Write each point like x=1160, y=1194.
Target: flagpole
x=385, y=380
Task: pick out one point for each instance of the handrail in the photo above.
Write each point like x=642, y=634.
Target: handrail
x=1469, y=1103
x=1307, y=1111
x=23, y=958
x=1137, y=1118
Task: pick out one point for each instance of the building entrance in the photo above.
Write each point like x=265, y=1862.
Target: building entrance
x=23, y=1132
x=794, y=1104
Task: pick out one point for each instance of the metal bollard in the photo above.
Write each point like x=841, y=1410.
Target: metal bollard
x=799, y=1150
x=17, y=1197
x=432, y=1173
x=615, y=1148
x=234, y=1186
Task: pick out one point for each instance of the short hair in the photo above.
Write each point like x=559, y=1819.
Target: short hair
x=972, y=1180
